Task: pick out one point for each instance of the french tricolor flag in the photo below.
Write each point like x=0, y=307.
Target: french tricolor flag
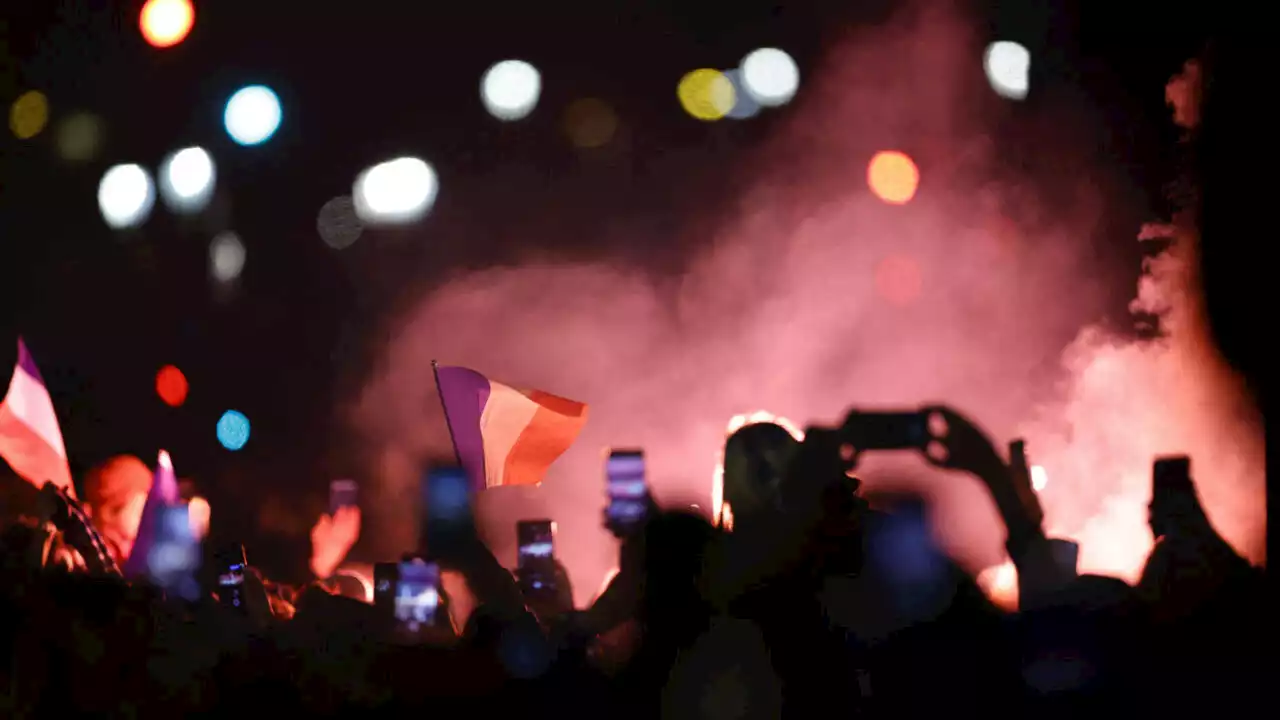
x=30, y=440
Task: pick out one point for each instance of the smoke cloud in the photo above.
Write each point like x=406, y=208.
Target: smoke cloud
x=796, y=302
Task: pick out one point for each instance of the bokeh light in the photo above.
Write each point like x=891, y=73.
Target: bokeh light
x=226, y=257
x=337, y=223
x=395, y=192
x=233, y=430
x=590, y=123
x=171, y=386
x=893, y=177
x=510, y=89
x=187, y=179
x=29, y=114
x=770, y=76
x=165, y=23
x=126, y=195
x=252, y=115
x=744, y=106
x=1039, y=478
x=898, y=279
x=706, y=94
x=1008, y=68
x=78, y=138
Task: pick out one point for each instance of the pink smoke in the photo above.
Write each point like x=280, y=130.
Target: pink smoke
x=779, y=309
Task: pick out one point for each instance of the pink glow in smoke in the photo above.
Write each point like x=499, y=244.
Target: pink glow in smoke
x=779, y=309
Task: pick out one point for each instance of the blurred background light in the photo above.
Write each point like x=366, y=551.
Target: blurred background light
x=29, y=114
x=165, y=23
x=126, y=196
x=337, y=223
x=770, y=76
x=1008, y=68
x=171, y=386
x=187, y=179
x=510, y=89
x=706, y=94
x=233, y=430
x=395, y=192
x=893, y=177
x=252, y=115
x=590, y=123
x=226, y=257
x=744, y=106
x=78, y=137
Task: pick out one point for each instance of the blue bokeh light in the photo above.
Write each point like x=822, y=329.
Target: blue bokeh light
x=233, y=430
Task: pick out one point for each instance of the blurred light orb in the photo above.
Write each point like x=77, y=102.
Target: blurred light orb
x=165, y=23
x=1008, y=68
x=187, y=179
x=337, y=223
x=893, y=177
x=1039, y=478
x=233, y=430
x=744, y=106
x=395, y=192
x=126, y=196
x=770, y=76
x=29, y=114
x=706, y=94
x=510, y=89
x=226, y=257
x=590, y=123
x=171, y=386
x=252, y=115
x=79, y=137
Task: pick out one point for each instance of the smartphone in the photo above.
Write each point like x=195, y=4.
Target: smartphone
x=231, y=565
x=386, y=575
x=342, y=493
x=446, y=496
x=627, y=488
x=535, y=554
x=886, y=430
x=1067, y=554
x=174, y=558
x=1171, y=474
x=417, y=595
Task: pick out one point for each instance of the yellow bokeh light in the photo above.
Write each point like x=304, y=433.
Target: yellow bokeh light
x=706, y=94
x=29, y=115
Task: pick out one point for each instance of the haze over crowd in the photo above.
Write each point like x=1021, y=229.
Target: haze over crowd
x=811, y=296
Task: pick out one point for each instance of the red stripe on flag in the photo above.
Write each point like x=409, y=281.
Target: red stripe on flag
x=554, y=427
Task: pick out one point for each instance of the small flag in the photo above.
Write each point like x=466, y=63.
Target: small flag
x=30, y=440
x=505, y=436
x=164, y=494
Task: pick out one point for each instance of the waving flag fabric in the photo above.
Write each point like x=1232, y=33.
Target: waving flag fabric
x=505, y=436
x=164, y=493
x=30, y=439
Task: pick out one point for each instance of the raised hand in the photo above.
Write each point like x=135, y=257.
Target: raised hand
x=332, y=538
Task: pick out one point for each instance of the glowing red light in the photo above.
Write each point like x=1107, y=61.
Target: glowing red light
x=171, y=386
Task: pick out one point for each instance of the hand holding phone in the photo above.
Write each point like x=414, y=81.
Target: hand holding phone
x=447, y=520
x=417, y=596
x=231, y=567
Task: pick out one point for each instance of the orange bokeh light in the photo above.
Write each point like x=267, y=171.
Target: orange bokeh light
x=171, y=386
x=893, y=177
x=165, y=23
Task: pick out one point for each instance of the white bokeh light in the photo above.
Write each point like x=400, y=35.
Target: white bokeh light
x=395, y=192
x=252, y=115
x=510, y=89
x=126, y=195
x=187, y=179
x=226, y=257
x=1008, y=68
x=770, y=76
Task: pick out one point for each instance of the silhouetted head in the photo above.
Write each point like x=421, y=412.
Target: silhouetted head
x=676, y=547
x=755, y=461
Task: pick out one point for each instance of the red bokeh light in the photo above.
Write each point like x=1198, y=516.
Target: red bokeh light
x=171, y=386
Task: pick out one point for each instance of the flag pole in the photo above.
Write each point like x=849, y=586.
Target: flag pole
x=435, y=370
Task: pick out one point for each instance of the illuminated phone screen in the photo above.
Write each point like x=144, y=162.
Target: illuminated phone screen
x=628, y=489
x=417, y=594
